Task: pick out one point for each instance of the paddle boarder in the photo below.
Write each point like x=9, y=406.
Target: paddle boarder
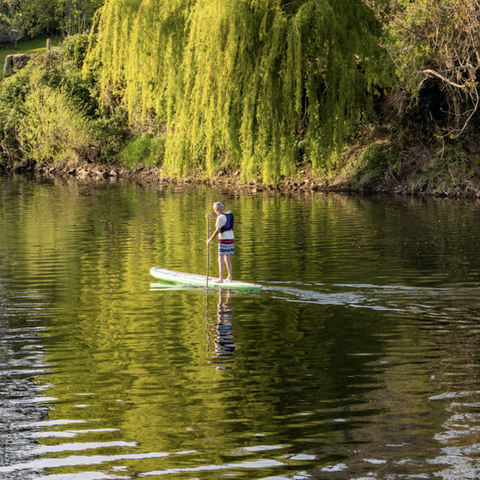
x=226, y=243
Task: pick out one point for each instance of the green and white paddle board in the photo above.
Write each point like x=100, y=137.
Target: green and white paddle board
x=198, y=280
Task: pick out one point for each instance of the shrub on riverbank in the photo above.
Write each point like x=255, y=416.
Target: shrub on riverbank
x=52, y=128
x=51, y=111
x=42, y=111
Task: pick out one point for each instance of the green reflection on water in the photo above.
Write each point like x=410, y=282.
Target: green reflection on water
x=328, y=356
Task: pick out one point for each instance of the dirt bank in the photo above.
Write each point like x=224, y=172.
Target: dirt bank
x=305, y=182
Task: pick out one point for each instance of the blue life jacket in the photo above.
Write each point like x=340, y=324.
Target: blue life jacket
x=229, y=223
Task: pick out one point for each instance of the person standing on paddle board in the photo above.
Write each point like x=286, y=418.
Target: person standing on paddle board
x=226, y=242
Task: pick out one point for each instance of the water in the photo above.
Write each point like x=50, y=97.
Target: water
x=359, y=359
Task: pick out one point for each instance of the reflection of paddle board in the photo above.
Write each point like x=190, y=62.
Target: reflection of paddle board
x=198, y=280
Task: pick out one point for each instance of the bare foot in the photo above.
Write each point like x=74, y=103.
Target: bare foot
x=228, y=280
x=220, y=280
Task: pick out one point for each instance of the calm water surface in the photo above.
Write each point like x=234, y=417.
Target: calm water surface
x=359, y=359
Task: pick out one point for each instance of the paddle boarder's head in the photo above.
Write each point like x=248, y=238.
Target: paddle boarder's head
x=218, y=207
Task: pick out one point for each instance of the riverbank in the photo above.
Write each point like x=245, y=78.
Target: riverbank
x=415, y=173
x=69, y=132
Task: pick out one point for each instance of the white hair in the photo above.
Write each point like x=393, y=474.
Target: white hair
x=218, y=205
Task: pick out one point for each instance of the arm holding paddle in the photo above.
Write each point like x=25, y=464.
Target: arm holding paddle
x=215, y=233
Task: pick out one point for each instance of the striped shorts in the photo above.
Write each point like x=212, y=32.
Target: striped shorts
x=226, y=247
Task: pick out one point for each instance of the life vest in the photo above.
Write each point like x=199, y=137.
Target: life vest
x=229, y=223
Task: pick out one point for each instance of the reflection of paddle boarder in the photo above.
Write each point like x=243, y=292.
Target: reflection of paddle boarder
x=224, y=345
x=226, y=243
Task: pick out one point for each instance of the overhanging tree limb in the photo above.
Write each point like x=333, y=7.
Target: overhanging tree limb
x=426, y=37
x=429, y=71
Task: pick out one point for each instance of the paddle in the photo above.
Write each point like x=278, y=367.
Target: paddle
x=208, y=252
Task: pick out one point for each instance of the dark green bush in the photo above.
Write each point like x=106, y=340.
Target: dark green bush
x=111, y=132
x=83, y=91
x=74, y=49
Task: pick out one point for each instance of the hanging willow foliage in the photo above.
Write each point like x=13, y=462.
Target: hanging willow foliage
x=245, y=82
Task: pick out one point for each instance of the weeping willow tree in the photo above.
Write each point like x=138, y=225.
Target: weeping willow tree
x=249, y=83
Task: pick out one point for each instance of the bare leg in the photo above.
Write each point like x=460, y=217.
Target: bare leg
x=228, y=262
x=220, y=268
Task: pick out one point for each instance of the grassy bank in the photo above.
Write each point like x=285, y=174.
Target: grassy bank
x=27, y=47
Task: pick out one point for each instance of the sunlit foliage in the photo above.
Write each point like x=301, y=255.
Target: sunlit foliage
x=47, y=111
x=52, y=129
x=254, y=84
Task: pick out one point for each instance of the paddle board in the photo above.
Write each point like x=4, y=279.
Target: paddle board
x=198, y=280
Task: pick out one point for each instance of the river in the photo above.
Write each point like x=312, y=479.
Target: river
x=358, y=359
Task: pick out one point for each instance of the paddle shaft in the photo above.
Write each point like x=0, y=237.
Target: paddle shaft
x=208, y=252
